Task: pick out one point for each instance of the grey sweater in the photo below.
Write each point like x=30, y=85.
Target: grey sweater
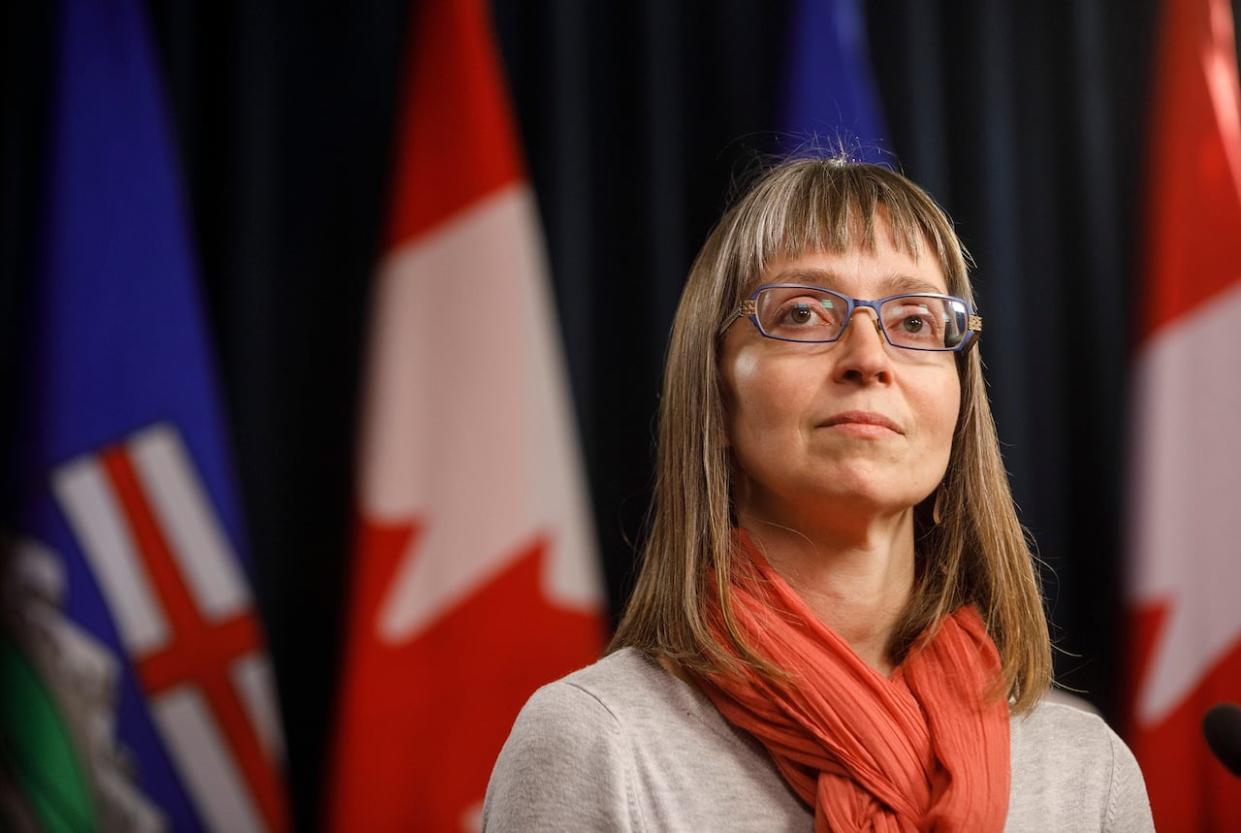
x=624, y=746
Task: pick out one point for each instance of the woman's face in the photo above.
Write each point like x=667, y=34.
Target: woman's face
x=801, y=417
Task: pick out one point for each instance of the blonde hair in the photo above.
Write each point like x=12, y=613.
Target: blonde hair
x=978, y=554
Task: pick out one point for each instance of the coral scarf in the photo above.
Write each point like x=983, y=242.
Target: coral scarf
x=923, y=750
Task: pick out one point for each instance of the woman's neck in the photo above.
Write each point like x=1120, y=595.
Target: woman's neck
x=857, y=581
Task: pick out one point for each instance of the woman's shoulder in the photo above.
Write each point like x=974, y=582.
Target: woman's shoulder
x=564, y=764
x=626, y=694
x=1059, y=718
x=620, y=677
x=624, y=745
x=620, y=688
x=1069, y=764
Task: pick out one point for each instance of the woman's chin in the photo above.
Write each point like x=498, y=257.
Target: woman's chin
x=865, y=495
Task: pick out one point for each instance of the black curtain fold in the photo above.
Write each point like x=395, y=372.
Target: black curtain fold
x=26, y=31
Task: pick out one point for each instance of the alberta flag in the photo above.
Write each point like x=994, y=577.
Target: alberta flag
x=831, y=102
x=137, y=693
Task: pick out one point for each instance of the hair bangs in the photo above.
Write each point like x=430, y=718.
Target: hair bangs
x=817, y=205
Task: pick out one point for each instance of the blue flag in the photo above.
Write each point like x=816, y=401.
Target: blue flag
x=831, y=102
x=138, y=692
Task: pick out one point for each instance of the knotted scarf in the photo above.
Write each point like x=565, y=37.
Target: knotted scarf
x=923, y=750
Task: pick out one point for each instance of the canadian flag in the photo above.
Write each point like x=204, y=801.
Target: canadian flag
x=1185, y=574
x=475, y=574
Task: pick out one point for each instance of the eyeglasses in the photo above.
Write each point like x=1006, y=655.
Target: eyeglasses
x=915, y=321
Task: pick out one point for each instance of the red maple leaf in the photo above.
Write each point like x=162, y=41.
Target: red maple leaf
x=423, y=720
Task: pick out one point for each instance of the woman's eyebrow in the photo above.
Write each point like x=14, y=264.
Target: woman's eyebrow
x=908, y=283
x=895, y=284
x=825, y=278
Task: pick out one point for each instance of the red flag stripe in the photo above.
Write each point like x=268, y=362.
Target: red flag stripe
x=458, y=139
x=199, y=653
x=1194, y=222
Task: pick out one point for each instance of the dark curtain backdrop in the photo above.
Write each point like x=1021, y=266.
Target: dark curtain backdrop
x=1025, y=119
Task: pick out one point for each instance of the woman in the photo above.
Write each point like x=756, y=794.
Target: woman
x=837, y=624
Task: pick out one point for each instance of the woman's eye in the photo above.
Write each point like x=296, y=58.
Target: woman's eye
x=801, y=314
x=913, y=324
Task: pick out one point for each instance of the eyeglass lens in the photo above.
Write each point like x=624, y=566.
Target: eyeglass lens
x=917, y=322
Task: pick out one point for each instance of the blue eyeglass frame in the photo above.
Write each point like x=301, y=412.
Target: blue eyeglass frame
x=749, y=309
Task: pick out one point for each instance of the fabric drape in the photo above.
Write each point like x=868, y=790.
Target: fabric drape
x=925, y=749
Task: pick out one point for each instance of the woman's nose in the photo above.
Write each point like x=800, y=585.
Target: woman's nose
x=862, y=352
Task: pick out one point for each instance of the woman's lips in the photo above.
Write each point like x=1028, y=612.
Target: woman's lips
x=862, y=423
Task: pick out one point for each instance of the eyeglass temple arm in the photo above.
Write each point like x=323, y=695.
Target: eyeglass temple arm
x=747, y=307
x=973, y=325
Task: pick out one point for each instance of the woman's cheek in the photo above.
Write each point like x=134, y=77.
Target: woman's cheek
x=747, y=381
x=948, y=406
x=746, y=369
x=758, y=425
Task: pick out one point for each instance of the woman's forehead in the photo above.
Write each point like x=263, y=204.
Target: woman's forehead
x=863, y=271
x=843, y=273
